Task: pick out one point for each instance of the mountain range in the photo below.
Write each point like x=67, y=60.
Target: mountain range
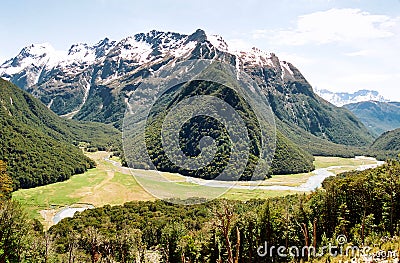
x=376, y=112
x=377, y=116
x=342, y=98
x=94, y=82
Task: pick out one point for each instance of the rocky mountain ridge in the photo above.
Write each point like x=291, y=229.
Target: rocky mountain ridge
x=48, y=73
x=94, y=82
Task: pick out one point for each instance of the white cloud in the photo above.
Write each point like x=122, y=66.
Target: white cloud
x=238, y=44
x=369, y=78
x=359, y=53
x=261, y=33
x=334, y=25
x=296, y=59
x=342, y=49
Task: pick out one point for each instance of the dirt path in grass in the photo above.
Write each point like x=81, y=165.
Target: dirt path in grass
x=110, y=176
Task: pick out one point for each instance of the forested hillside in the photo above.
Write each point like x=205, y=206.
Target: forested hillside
x=316, y=145
x=287, y=158
x=387, y=145
x=37, y=145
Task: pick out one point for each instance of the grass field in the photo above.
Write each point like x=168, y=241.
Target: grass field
x=105, y=184
x=115, y=185
x=244, y=194
x=324, y=162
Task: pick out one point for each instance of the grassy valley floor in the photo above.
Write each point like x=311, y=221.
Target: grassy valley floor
x=111, y=184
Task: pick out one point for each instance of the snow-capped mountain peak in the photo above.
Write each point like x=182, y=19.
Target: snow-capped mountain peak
x=44, y=70
x=31, y=53
x=218, y=42
x=139, y=49
x=342, y=98
x=38, y=55
x=35, y=50
x=81, y=52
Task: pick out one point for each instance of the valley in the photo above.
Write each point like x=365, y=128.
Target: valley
x=82, y=131
x=111, y=184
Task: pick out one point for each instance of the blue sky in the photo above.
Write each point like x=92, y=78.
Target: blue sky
x=337, y=45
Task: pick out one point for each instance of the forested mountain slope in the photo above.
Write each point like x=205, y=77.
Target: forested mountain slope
x=37, y=145
x=387, y=145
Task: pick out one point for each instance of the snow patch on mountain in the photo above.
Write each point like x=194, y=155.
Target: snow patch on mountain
x=135, y=50
x=218, y=42
x=256, y=57
x=81, y=52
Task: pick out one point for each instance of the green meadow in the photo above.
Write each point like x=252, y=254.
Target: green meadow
x=108, y=184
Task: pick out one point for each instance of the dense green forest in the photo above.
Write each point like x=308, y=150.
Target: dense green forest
x=288, y=158
x=387, y=145
x=314, y=145
x=38, y=146
x=362, y=207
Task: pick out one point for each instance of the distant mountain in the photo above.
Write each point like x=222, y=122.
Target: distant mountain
x=342, y=98
x=38, y=146
x=93, y=83
x=377, y=116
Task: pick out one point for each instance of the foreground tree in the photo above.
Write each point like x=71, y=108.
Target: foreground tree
x=14, y=228
x=6, y=184
x=225, y=219
x=171, y=235
x=91, y=243
x=129, y=244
